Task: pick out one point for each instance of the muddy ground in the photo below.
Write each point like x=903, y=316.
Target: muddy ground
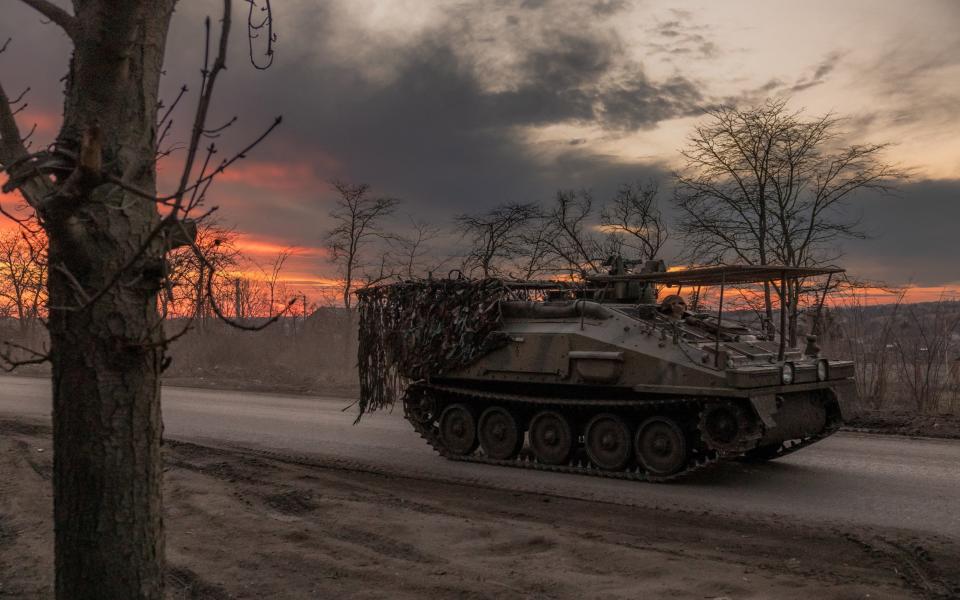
x=243, y=525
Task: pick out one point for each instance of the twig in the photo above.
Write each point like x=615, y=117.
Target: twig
x=11, y=363
x=209, y=79
x=254, y=28
x=65, y=20
x=173, y=105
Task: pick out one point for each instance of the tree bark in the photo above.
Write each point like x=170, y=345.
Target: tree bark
x=106, y=356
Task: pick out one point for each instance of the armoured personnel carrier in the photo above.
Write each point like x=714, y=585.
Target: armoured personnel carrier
x=602, y=378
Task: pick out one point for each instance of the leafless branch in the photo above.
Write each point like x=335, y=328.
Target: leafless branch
x=9, y=363
x=212, y=133
x=208, y=81
x=636, y=218
x=569, y=238
x=65, y=20
x=762, y=185
x=253, y=32
x=166, y=123
x=495, y=235
x=22, y=95
x=358, y=217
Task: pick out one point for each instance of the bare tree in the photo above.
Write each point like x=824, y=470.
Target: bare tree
x=23, y=270
x=250, y=298
x=865, y=335
x=635, y=216
x=496, y=236
x=570, y=236
x=274, y=287
x=923, y=353
x=190, y=275
x=95, y=193
x=534, y=257
x=357, y=216
x=763, y=186
x=415, y=256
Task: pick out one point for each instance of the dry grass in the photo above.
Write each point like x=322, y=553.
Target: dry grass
x=312, y=356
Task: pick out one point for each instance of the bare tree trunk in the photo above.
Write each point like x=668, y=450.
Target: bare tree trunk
x=106, y=354
x=107, y=432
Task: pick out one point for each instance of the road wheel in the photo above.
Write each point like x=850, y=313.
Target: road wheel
x=607, y=439
x=551, y=438
x=661, y=446
x=500, y=435
x=458, y=429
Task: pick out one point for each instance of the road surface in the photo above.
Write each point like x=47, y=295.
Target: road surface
x=867, y=480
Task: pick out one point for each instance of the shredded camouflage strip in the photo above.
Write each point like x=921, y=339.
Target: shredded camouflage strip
x=414, y=329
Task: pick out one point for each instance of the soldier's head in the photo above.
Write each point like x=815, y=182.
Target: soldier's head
x=673, y=306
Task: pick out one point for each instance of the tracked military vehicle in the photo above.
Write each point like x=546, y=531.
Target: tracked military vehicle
x=613, y=377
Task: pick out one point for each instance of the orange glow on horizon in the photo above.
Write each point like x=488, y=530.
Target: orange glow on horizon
x=282, y=176
x=263, y=247
x=306, y=262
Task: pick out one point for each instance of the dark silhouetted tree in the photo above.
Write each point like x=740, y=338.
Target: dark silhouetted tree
x=765, y=185
x=495, y=236
x=358, y=217
x=94, y=190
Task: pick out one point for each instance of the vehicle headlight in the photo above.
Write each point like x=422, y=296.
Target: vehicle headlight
x=823, y=370
x=786, y=373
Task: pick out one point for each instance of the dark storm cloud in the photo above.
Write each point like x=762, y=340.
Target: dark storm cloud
x=423, y=118
x=820, y=72
x=912, y=235
x=433, y=131
x=637, y=103
x=606, y=8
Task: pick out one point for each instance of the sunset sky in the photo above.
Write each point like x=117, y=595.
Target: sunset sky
x=458, y=106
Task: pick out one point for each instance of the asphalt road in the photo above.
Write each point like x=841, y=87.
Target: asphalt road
x=866, y=480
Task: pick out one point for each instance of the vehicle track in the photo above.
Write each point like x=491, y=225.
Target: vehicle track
x=701, y=458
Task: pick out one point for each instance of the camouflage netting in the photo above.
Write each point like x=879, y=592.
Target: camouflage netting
x=414, y=329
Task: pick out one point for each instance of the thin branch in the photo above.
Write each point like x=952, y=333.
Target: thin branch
x=253, y=33
x=21, y=96
x=65, y=20
x=211, y=297
x=216, y=130
x=11, y=363
x=202, y=181
x=206, y=94
x=173, y=105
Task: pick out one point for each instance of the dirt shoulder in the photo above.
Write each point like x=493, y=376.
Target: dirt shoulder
x=241, y=384
x=241, y=525
x=909, y=424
